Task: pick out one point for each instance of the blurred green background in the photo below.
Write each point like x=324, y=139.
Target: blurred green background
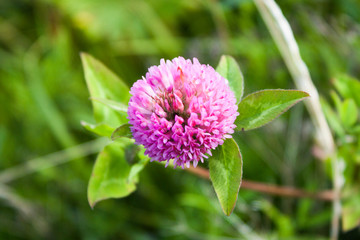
x=43, y=98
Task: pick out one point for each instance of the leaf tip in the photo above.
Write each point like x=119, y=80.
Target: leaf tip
x=86, y=59
x=223, y=57
x=92, y=203
x=83, y=56
x=113, y=137
x=306, y=94
x=228, y=213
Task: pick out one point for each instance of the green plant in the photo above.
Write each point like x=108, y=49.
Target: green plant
x=116, y=170
x=344, y=120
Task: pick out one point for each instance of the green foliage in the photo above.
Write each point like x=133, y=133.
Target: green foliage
x=260, y=108
x=286, y=227
x=333, y=119
x=117, y=106
x=43, y=98
x=104, y=87
x=348, y=87
x=226, y=163
x=225, y=167
x=110, y=177
x=348, y=112
x=229, y=69
x=100, y=129
x=117, y=165
x=122, y=131
x=351, y=208
x=344, y=120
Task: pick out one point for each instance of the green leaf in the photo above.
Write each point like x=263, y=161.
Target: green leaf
x=100, y=129
x=225, y=167
x=104, y=84
x=351, y=209
x=122, y=131
x=283, y=222
x=337, y=100
x=117, y=106
x=348, y=112
x=356, y=130
x=110, y=176
x=260, y=108
x=229, y=69
x=138, y=166
x=348, y=87
x=332, y=118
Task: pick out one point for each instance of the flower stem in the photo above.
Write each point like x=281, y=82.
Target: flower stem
x=284, y=38
x=327, y=195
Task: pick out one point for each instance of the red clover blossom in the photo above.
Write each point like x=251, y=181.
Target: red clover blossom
x=181, y=111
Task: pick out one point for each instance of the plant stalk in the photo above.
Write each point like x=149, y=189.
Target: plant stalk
x=327, y=195
x=283, y=36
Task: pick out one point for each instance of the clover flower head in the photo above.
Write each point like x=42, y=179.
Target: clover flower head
x=181, y=110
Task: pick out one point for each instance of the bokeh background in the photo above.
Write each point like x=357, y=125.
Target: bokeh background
x=43, y=98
